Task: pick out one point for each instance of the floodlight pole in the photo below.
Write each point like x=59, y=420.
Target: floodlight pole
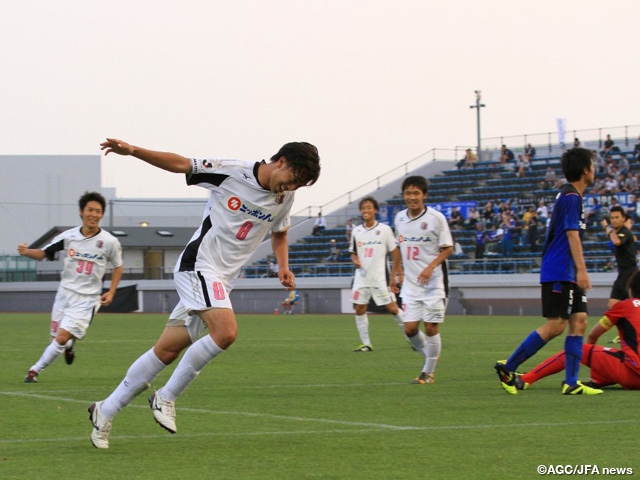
x=478, y=106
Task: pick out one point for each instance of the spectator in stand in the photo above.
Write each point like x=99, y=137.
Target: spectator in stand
x=487, y=214
x=560, y=183
x=319, y=225
x=274, y=268
x=348, y=229
x=636, y=151
x=526, y=218
x=621, y=178
x=623, y=164
x=610, y=185
x=455, y=219
x=609, y=164
x=457, y=248
x=577, y=143
x=632, y=210
x=470, y=160
x=550, y=178
x=609, y=145
x=473, y=218
x=522, y=166
x=530, y=152
x=334, y=252
x=592, y=211
x=532, y=231
x=506, y=155
x=509, y=228
x=542, y=212
x=481, y=240
x=494, y=239
x=628, y=183
x=598, y=162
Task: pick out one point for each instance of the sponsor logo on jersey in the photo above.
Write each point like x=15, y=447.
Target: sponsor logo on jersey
x=402, y=238
x=84, y=256
x=369, y=242
x=256, y=213
x=234, y=203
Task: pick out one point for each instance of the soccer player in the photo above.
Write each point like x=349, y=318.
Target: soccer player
x=625, y=251
x=290, y=302
x=564, y=279
x=609, y=366
x=425, y=243
x=246, y=201
x=88, y=249
x=370, y=243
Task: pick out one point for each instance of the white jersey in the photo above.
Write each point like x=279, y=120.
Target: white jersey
x=85, y=260
x=237, y=217
x=421, y=240
x=372, y=245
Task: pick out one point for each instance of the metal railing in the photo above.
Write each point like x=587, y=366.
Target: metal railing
x=488, y=265
x=627, y=133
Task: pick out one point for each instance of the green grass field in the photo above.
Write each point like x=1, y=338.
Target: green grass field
x=290, y=400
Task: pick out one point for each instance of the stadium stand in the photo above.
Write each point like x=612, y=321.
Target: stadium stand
x=488, y=181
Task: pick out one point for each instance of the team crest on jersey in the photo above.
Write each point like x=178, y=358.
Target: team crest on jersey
x=378, y=232
x=199, y=166
x=280, y=199
x=71, y=252
x=424, y=225
x=234, y=203
x=100, y=244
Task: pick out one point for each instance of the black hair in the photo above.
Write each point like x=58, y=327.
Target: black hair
x=92, y=197
x=303, y=159
x=619, y=209
x=574, y=163
x=369, y=199
x=416, y=181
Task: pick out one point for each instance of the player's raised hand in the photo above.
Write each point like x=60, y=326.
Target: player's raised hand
x=287, y=279
x=116, y=146
x=22, y=248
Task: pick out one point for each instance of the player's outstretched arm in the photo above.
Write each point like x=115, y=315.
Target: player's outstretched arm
x=34, y=253
x=172, y=162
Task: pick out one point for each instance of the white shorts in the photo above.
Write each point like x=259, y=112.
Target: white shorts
x=381, y=295
x=430, y=311
x=201, y=290
x=180, y=318
x=73, y=312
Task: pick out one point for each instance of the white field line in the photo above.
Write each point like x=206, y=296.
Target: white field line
x=363, y=427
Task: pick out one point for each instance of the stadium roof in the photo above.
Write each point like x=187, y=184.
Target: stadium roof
x=132, y=237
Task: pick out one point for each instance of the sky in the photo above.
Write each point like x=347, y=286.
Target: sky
x=372, y=83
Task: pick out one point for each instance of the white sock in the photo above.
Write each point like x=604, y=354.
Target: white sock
x=193, y=361
x=53, y=351
x=138, y=378
x=433, y=349
x=419, y=343
x=398, y=319
x=362, y=323
x=69, y=344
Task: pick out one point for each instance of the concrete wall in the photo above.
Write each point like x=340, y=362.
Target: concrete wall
x=512, y=295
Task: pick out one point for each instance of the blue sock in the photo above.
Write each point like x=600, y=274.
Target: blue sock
x=526, y=350
x=573, y=355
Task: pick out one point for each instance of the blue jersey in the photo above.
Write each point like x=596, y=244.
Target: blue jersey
x=557, y=262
